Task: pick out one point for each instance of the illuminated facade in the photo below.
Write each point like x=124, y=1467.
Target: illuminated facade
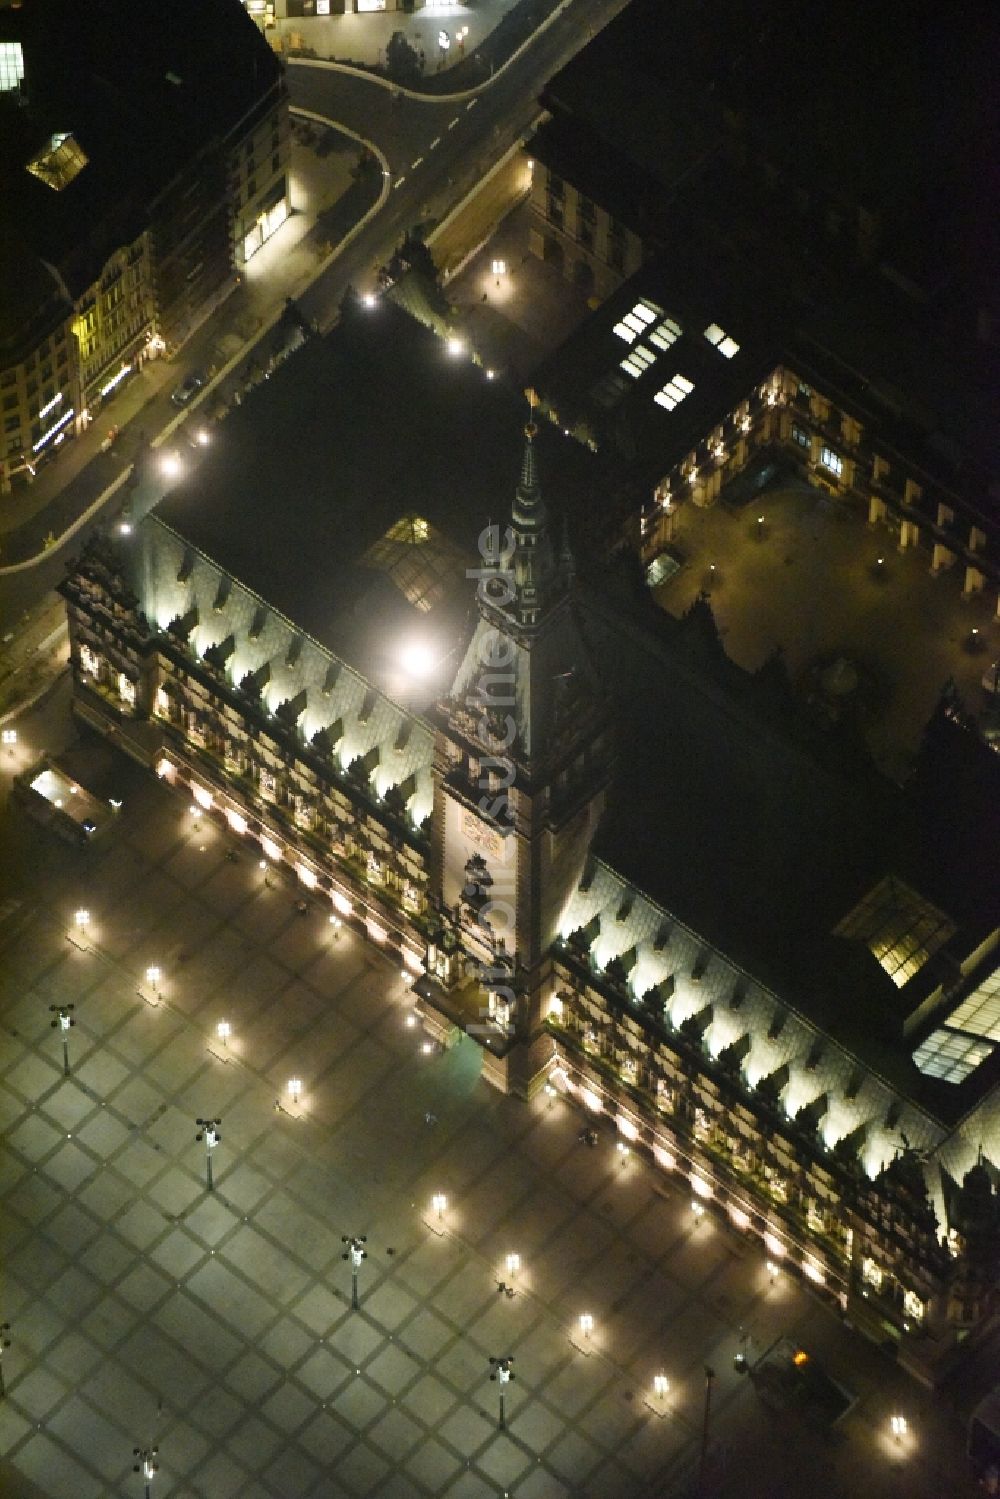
x=469, y=843
x=125, y=240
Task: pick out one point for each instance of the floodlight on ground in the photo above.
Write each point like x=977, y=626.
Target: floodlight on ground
x=899, y=1426
x=502, y=1375
x=146, y=1464
x=369, y=300
x=513, y=1263
x=82, y=918
x=586, y=1324
x=223, y=1030
x=455, y=347
x=661, y=1386
x=439, y=1203
x=171, y=466
x=499, y=268
x=10, y=736
x=153, y=976
x=203, y=437
x=64, y=1020
x=698, y=1210
x=208, y=1130
x=356, y=1253
x=295, y=1088
x=772, y=1270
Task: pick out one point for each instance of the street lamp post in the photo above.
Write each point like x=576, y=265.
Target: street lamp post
x=703, y=1461
x=4, y=1343
x=64, y=1020
x=355, y=1252
x=502, y=1375
x=208, y=1130
x=146, y=1464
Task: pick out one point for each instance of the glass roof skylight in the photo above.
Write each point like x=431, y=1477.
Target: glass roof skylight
x=979, y=1014
x=720, y=340
x=638, y=362
x=11, y=65
x=950, y=1055
x=637, y=321
x=674, y=392
x=60, y=161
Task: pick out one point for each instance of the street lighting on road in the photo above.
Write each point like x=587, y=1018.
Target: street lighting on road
x=208, y=1130
x=502, y=1375
x=64, y=1020
x=356, y=1253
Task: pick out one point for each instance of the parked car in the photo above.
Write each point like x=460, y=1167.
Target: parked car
x=187, y=390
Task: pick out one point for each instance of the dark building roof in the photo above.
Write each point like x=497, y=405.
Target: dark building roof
x=358, y=430
x=890, y=110
x=860, y=336
x=141, y=89
x=759, y=831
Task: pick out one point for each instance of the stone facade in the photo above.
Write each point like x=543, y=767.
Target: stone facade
x=461, y=843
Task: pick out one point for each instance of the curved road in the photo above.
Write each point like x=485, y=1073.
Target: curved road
x=437, y=149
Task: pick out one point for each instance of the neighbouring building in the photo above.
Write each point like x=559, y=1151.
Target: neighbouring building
x=137, y=179
x=825, y=221
x=627, y=868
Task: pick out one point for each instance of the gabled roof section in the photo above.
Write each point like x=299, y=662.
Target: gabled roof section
x=292, y=677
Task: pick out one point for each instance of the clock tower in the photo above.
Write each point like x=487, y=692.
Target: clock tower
x=522, y=755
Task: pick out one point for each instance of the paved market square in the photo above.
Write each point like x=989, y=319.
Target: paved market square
x=217, y=1326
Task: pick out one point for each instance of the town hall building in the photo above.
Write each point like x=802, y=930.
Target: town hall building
x=622, y=866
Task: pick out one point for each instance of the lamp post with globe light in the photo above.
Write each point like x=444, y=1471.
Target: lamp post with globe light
x=356, y=1253
x=502, y=1375
x=208, y=1130
x=64, y=1020
x=146, y=1464
x=4, y=1343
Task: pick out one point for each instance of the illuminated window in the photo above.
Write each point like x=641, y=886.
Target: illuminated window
x=871, y=1274
x=636, y=321
x=61, y=161
x=832, y=461
x=89, y=660
x=720, y=340
x=126, y=689
x=674, y=392
x=801, y=436
x=374, y=868
x=267, y=782
x=913, y=1307
x=899, y=928
x=665, y=334
x=638, y=362
x=11, y=65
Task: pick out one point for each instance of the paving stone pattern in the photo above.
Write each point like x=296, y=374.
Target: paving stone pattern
x=145, y=1309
